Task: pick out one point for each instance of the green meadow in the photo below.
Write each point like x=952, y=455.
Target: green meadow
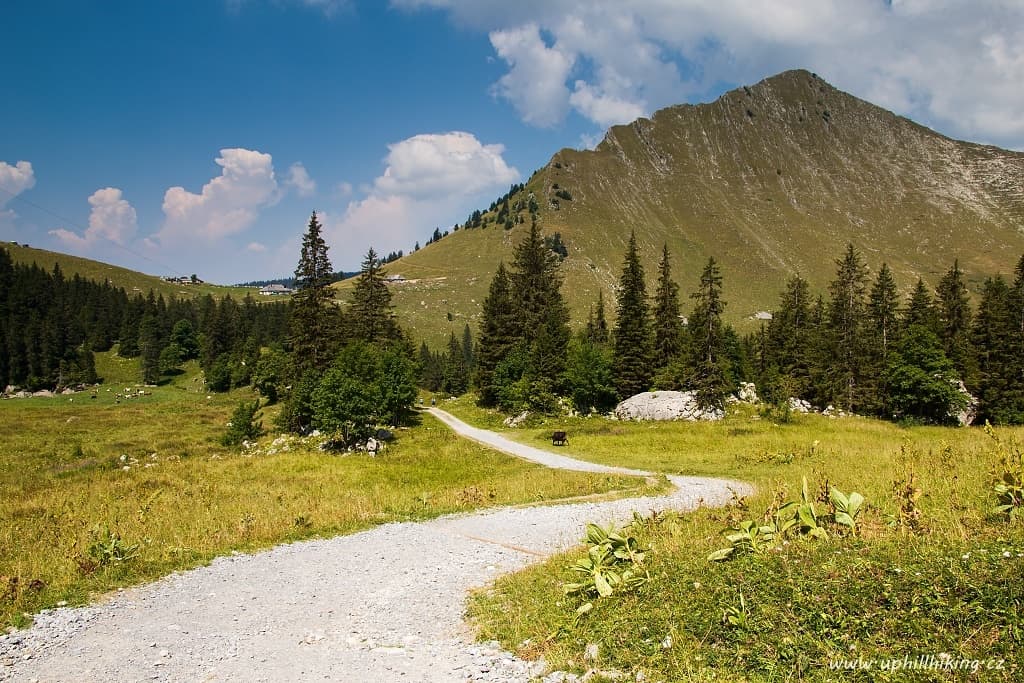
x=98, y=493
x=930, y=570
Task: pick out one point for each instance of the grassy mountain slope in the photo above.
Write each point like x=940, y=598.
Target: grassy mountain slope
x=132, y=281
x=771, y=180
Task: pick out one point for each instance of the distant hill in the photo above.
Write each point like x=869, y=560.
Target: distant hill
x=771, y=179
x=132, y=281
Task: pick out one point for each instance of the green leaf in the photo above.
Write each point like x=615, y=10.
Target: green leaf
x=604, y=589
x=719, y=555
x=856, y=501
x=845, y=520
x=839, y=499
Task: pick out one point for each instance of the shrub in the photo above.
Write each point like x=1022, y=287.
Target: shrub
x=244, y=424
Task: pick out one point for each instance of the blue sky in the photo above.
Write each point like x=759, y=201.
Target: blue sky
x=196, y=136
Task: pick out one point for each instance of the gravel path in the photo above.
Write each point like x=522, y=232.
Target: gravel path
x=381, y=605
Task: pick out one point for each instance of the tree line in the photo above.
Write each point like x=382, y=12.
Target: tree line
x=51, y=325
x=862, y=348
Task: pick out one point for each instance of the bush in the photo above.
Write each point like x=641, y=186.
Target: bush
x=244, y=425
x=218, y=377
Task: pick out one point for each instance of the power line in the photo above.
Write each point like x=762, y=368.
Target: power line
x=166, y=268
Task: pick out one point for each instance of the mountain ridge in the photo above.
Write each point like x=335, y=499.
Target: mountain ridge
x=771, y=179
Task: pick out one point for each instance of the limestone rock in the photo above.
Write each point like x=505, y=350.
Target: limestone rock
x=665, y=405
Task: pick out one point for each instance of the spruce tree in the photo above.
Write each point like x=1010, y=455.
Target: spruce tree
x=536, y=287
x=920, y=308
x=468, y=352
x=497, y=334
x=883, y=323
x=541, y=315
x=846, y=317
x=668, y=329
x=883, y=310
x=601, y=334
x=455, y=378
x=430, y=369
x=789, y=339
x=994, y=331
x=708, y=339
x=149, y=349
x=954, y=320
x=632, y=352
x=313, y=321
x=371, y=317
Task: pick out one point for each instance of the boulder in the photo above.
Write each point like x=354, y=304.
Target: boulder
x=665, y=405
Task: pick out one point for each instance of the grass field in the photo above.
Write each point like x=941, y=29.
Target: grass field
x=86, y=483
x=931, y=570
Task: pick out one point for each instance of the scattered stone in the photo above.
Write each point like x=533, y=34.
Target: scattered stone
x=799, y=405
x=748, y=393
x=517, y=420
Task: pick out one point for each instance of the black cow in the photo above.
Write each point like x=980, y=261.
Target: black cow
x=559, y=439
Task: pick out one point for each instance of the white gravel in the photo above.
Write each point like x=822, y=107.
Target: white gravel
x=381, y=605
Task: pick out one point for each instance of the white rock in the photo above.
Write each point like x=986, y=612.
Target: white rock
x=665, y=405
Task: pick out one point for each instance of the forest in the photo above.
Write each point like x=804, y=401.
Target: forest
x=859, y=347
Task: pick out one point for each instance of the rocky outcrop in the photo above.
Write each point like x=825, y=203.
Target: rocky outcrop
x=665, y=405
x=965, y=417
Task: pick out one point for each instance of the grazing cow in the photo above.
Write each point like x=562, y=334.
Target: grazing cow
x=559, y=439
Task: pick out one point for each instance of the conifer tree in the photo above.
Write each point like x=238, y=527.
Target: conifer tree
x=846, y=331
x=313, y=320
x=600, y=322
x=708, y=339
x=883, y=323
x=999, y=391
x=920, y=308
x=954, y=320
x=632, y=350
x=430, y=369
x=789, y=337
x=149, y=349
x=455, y=378
x=536, y=287
x=468, y=352
x=668, y=329
x=497, y=334
x=541, y=315
x=883, y=310
x=371, y=317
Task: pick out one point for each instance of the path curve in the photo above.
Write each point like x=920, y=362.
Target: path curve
x=381, y=605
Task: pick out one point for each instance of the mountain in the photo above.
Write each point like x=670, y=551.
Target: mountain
x=771, y=179
x=132, y=281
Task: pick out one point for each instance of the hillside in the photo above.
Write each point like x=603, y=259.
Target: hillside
x=771, y=180
x=132, y=281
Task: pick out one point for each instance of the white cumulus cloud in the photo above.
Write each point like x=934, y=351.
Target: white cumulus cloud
x=299, y=180
x=227, y=204
x=14, y=179
x=111, y=218
x=431, y=165
x=427, y=181
x=535, y=82
x=954, y=65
